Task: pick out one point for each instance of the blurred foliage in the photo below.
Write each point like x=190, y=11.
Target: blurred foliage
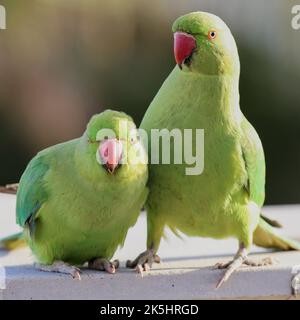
x=62, y=61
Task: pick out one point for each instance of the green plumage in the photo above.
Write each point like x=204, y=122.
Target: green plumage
x=226, y=199
x=72, y=209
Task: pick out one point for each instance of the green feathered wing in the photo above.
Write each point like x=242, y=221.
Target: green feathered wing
x=32, y=193
x=264, y=235
x=31, y=196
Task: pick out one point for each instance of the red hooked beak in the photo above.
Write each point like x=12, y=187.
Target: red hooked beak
x=110, y=151
x=184, y=44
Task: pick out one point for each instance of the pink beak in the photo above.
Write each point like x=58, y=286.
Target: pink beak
x=184, y=44
x=110, y=151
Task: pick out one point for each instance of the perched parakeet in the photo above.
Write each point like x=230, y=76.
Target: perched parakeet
x=77, y=200
x=202, y=92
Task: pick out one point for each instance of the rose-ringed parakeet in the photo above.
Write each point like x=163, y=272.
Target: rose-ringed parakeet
x=226, y=199
x=77, y=200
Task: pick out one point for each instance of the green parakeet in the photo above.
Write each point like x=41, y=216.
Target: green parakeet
x=77, y=200
x=202, y=92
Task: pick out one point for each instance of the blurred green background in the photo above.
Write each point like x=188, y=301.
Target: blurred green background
x=62, y=61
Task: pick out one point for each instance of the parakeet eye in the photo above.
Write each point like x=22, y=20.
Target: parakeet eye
x=104, y=134
x=212, y=34
x=133, y=138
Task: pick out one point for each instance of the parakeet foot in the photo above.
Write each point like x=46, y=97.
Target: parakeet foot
x=60, y=267
x=144, y=261
x=104, y=265
x=249, y=262
x=240, y=259
x=232, y=266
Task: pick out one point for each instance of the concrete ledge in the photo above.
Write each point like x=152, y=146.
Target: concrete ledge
x=186, y=279
x=185, y=273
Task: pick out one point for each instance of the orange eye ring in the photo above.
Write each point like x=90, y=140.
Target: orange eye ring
x=212, y=34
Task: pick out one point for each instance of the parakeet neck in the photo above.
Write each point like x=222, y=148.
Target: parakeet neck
x=214, y=96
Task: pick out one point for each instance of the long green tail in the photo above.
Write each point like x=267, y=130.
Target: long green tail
x=266, y=236
x=13, y=242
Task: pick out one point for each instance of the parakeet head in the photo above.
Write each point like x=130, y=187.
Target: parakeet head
x=113, y=141
x=204, y=44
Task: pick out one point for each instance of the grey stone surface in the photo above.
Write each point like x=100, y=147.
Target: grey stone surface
x=185, y=273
